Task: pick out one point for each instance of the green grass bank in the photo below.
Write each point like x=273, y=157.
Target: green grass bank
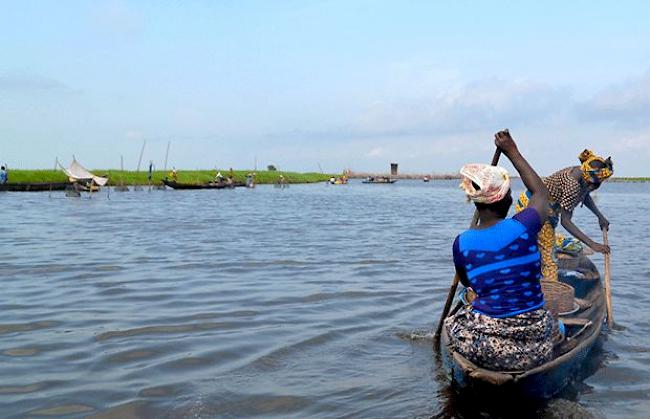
x=630, y=179
x=117, y=177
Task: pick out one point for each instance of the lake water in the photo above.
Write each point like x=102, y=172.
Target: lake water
x=310, y=301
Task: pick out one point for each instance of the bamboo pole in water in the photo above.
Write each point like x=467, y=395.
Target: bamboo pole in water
x=608, y=283
x=150, y=174
x=56, y=163
x=166, y=156
x=137, y=187
x=141, y=153
x=122, y=170
x=121, y=187
x=456, y=280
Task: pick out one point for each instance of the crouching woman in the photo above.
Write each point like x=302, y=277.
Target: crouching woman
x=506, y=328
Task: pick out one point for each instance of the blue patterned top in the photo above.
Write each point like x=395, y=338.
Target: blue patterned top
x=502, y=265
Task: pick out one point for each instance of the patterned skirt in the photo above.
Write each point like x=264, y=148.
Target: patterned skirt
x=514, y=343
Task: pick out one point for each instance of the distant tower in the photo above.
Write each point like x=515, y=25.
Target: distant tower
x=393, y=169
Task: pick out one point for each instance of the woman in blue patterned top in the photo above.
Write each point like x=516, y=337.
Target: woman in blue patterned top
x=506, y=328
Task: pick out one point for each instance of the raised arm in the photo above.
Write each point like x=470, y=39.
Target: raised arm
x=539, y=194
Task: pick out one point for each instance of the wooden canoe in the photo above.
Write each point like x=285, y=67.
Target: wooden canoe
x=34, y=187
x=380, y=181
x=543, y=382
x=221, y=185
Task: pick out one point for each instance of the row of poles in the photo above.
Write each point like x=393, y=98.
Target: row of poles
x=122, y=187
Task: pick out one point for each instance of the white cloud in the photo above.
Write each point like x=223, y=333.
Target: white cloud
x=134, y=135
x=484, y=104
x=118, y=18
x=21, y=82
x=376, y=152
x=491, y=102
x=624, y=104
x=635, y=143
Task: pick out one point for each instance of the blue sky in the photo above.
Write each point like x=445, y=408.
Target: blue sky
x=341, y=83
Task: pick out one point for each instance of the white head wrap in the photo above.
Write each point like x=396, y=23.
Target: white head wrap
x=493, y=182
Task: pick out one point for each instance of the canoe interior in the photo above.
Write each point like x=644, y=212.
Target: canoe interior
x=583, y=329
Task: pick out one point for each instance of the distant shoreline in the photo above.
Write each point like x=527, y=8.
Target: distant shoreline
x=363, y=175
x=118, y=177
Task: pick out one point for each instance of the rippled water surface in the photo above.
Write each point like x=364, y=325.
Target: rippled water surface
x=310, y=301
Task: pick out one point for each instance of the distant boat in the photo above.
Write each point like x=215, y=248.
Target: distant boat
x=426, y=178
x=250, y=181
x=338, y=181
x=281, y=183
x=34, y=186
x=379, y=180
x=212, y=185
x=79, y=174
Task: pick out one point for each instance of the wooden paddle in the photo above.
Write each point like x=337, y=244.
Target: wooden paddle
x=454, y=282
x=608, y=283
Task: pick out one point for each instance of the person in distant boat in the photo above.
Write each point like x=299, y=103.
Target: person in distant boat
x=250, y=180
x=4, y=175
x=173, y=174
x=506, y=328
x=219, y=177
x=150, y=174
x=568, y=188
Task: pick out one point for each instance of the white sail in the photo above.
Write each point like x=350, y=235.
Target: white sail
x=77, y=172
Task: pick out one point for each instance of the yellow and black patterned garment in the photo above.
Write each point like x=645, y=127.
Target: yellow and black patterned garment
x=565, y=190
x=595, y=169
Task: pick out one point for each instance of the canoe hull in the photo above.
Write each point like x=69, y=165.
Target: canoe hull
x=547, y=380
x=176, y=185
x=34, y=187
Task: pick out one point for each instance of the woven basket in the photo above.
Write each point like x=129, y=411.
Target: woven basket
x=559, y=297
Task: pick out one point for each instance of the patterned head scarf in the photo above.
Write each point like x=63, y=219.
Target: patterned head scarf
x=493, y=182
x=592, y=174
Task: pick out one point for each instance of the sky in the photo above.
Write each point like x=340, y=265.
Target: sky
x=324, y=84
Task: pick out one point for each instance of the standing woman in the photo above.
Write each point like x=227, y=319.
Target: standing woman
x=507, y=327
x=568, y=188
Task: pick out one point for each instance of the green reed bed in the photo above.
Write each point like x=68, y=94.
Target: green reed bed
x=36, y=176
x=118, y=177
